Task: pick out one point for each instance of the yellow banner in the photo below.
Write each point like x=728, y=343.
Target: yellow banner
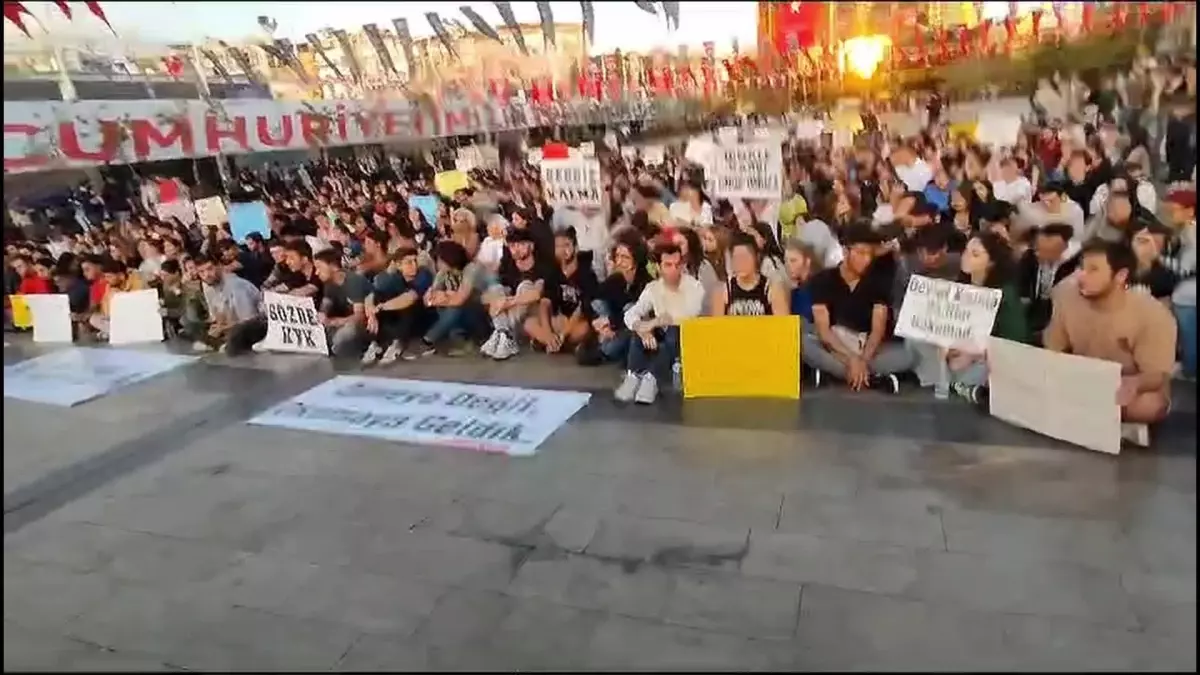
x=449, y=182
x=21, y=316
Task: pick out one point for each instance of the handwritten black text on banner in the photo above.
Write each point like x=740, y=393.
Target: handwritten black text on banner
x=293, y=325
x=947, y=314
x=572, y=182
x=748, y=171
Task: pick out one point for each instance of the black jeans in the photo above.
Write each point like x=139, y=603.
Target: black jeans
x=403, y=325
x=243, y=336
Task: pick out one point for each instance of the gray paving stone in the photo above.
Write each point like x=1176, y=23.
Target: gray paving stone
x=463, y=618
x=146, y=619
x=570, y=530
x=442, y=559
x=372, y=653
x=882, y=518
x=622, y=643
x=701, y=502
x=1090, y=543
x=539, y=635
x=154, y=559
x=492, y=520
x=670, y=542
x=83, y=547
x=852, y=565
x=638, y=590
x=44, y=596
x=732, y=603
x=997, y=584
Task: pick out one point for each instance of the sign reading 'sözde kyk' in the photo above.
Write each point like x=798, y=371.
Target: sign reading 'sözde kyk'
x=748, y=170
x=293, y=325
x=572, y=182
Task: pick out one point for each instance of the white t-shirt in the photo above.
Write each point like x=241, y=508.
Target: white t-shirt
x=1015, y=192
x=682, y=211
x=490, y=252
x=915, y=176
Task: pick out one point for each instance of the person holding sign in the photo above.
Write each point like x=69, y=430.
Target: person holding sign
x=1099, y=317
x=342, y=309
x=850, y=310
x=117, y=279
x=233, y=318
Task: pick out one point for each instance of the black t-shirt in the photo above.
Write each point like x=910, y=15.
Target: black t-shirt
x=580, y=288
x=296, y=280
x=510, y=276
x=1158, y=281
x=849, y=308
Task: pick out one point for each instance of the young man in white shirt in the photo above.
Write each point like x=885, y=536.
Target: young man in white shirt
x=1011, y=186
x=666, y=302
x=911, y=169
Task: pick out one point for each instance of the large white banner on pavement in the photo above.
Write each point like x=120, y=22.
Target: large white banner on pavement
x=1063, y=396
x=293, y=325
x=506, y=420
x=947, y=314
x=72, y=376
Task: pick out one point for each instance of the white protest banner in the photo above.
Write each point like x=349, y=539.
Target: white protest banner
x=611, y=140
x=947, y=314
x=534, y=156
x=504, y=420
x=629, y=153
x=1063, y=396
x=135, y=317
x=997, y=130
x=809, y=130
x=572, y=181
x=652, y=155
x=51, y=318
x=181, y=209
x=728, y=135
x=211, y=211
x=748, y=171
x=72, y=376
x=587, y=149
x=293, y=325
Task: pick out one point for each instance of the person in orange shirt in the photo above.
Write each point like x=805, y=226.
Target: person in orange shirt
x=1099, y=317
x=117, y=280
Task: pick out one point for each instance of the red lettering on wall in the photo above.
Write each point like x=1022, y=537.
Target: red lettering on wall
x=455, y=123
x=29, y=131
x=391, y=124
x=110, y=142
x=314, y=129
x=146, y=133
x=341, y=122
x=367, y=123
x=285, y=132
x=215, y=134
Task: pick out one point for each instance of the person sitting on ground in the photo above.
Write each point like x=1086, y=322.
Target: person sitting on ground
x=620, y=290
x=454, y=296
x=232, y=308
x=1053, y=258
x=576, y=285
x=663, y=306
x=69, y=282
x=801, y=263
x=117, y=279
x=850, y=311
x=1052, y=206
x=748, y=292
x=34, y=279
x=341, y=310
x=519, y=302
x=395, y=308
x=1099, y=317
x=1151, y=276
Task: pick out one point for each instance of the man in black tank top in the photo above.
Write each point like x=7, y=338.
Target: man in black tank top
x=748, y=292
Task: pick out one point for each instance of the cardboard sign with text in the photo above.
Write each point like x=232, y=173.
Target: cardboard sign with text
x=748, y=171
x=1063, y=396
x=574, y=181
x=948, y=314
x=293, y=325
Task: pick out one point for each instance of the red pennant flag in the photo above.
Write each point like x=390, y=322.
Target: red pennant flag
x=556, y=151
x=1088, y=19
x=65, y=7
x=174, y=66
x=1143, y=14
x=13, y=11
x=94, y=8
x=964, y=40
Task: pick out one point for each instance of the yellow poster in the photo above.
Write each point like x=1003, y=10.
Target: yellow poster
x=21, y=316
x=741, y=356
x=449, y=182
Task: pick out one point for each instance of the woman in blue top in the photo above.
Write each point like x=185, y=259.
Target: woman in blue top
x=799, y=260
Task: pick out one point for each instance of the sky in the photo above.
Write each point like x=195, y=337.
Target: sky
x=619, y=23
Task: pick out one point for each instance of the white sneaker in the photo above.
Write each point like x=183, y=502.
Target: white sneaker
x=628, y=387
x=647, y=392
x=391, y=354
x=1137, y=434
x=489, y=348
x=200, y=347
x=372, y=354
x=259, y=347
x=506, y=347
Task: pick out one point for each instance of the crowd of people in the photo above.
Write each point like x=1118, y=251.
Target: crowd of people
x=1066, y=221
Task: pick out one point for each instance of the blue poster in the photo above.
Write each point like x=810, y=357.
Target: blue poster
x=247, y=217
x=427, y=205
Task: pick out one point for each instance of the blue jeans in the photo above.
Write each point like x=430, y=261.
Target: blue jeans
x=659, y=361
x=1186, y=317
x=617, y=348
x=450, y=320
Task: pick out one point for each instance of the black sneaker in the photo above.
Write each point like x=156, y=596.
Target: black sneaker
x=422, y=350
x=885, y=383
x=812, y=377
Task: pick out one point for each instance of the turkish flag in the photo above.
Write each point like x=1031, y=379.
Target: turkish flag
x=802, y=19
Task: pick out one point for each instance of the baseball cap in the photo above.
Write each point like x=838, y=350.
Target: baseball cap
x=1182, y=197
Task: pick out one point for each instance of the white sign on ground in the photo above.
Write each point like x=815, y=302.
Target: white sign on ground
x=572, y=181
x=947, y=314
x=293, y=325
x=51, y=317
x=135, y=318
x=72, y=376
x=1063, y=396
x=505, y=420
x=748, y=171
x=211, y=211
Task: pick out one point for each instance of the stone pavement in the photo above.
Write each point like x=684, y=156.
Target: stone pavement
x=154, y=530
